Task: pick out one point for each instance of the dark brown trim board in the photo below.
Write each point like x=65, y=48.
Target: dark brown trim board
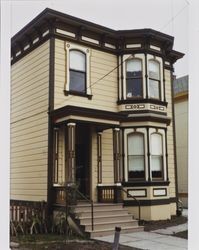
x=45, y=24
x=50, y=125
x=145, y=183
x=154, y=202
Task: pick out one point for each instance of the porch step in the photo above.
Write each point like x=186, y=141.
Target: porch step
x=101, y=233
x=106, y=218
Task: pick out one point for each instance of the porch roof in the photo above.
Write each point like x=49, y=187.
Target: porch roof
x=105, y=119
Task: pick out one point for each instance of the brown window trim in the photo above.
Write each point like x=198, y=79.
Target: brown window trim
x=140, y=100
x=77, y=93
x=135, y=183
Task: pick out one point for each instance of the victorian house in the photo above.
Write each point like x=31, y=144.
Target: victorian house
x=92, y=106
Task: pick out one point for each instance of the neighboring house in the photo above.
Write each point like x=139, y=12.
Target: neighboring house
x=181, y=89
x=93, y=106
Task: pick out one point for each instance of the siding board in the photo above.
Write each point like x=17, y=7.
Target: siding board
x=29, y=125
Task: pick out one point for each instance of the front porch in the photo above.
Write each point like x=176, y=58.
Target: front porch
x=88, y=159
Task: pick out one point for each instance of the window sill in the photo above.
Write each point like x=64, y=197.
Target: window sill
x=140, y=100
x=145, y=183
x=76, y=93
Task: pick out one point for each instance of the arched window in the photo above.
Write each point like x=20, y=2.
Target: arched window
x=136, y=157
x=156, y=155
x=134, y=78
x=154, y=79
x=77, y=71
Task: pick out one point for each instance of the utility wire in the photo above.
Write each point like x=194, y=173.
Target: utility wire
x=174, y=17
x=100, y=79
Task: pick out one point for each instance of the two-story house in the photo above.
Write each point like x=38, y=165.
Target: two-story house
x=93, y=106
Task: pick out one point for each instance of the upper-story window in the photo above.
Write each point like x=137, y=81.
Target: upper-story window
x=77, y=71
x=136, y=156
x=134, y=78
x=156, y=155
x=142, y=77
x=154, y=79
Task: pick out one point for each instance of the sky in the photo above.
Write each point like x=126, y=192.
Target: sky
x=178, y=18
x=167, y=16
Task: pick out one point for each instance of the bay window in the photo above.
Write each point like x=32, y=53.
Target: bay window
x=145, y=154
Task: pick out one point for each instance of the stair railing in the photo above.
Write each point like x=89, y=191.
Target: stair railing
x=91, y=202
x=137, y=201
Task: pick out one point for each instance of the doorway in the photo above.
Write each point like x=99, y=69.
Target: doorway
x=82, y=148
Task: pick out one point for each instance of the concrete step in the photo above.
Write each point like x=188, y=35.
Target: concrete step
x=101, y=233
x=111, y=225
x=106, y=218
x=87, y=213
x=96, y=207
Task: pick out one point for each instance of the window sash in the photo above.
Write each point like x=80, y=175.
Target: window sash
x=77, y=60
x=77, y=81
x=136, y=156
x=154, y=89
x=134, y=78
x=154, y=70
x=156, y=155
x=134, y=88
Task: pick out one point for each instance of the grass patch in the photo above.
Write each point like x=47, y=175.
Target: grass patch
x=59, y=242
x=154, y=225
x=23, y=239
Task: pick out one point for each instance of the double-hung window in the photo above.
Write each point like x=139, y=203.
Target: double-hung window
x=156, y=156
x=134, y=78
x=154, y=79
x=136, y=156
x=77, y=71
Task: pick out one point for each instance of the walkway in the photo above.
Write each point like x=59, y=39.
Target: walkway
x=154, y=240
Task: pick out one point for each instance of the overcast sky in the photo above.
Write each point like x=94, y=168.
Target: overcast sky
x=167, y=16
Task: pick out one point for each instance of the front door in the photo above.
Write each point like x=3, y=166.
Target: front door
x=82, y=159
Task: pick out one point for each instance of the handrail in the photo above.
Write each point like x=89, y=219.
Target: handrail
x=139, y=206
x=91, y=202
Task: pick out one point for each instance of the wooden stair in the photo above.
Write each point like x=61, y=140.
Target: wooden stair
x=106, y=218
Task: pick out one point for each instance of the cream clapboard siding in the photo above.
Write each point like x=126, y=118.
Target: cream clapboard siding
x=104, y=92
x=107, y=160
x=170, y=139
x=29, y=125
x=107, y=157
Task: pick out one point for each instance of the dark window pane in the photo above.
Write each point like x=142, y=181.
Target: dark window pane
x=136, y=174
x=133, y=74
x=157, y=174
x=133, y=88
x=77, y=81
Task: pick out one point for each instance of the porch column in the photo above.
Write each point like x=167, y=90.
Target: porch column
x=99, y=157
x=116, y=155
x=55, y=155
x=71, y=152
